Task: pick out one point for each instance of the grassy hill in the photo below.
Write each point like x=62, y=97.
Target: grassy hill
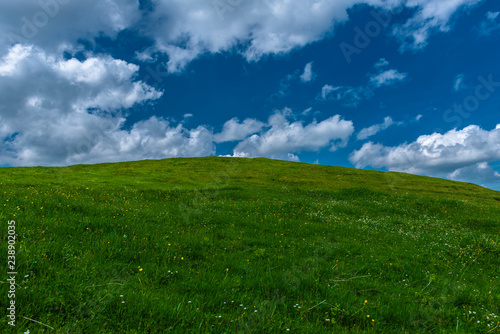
x=225, y=245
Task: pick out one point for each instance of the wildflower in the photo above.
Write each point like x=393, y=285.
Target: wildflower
x=366, y=301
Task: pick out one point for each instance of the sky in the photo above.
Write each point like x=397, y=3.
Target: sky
x=394, y=85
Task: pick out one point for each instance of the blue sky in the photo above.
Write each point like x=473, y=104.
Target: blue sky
x=410, y=86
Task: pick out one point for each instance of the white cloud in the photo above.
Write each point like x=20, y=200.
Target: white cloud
x=458, y=84
x=431, y=16
x=307, y=111
x=14, y=56
x=374, y=129
x=387, y=78
x=352, y=96
x=349, y=96
x=184, y=30
x=55, y=24
x=57, y=111
x=478, y=173
x=382, y=62
x=435, y=154
x=308, y=74
x=490, y=24
x=234, y=130
x=284, y=138
x=275, y=27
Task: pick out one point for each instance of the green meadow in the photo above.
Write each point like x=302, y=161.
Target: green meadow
x=227, y=245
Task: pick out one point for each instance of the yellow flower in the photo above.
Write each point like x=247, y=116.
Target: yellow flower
x=140, y=269
x=366, y=301
x=367, y=315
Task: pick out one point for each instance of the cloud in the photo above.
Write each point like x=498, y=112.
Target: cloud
x=283, y=138
x=430, y=16
x=382, y=62
x=275, y=27
x=490, y=24
x=459, y=84
x=388, y=122
x=234, y=130
x=58, y=111
x=478, y=173
x=387, y=78
x=308, y=74
x=435, y=154
x=285, y=84
x=56, y=24
x=184, y=30
x=307, y=111
x=349, y=96
x=374, y=129
x=352, y=96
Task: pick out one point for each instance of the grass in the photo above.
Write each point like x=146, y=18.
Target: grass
x=226, y=245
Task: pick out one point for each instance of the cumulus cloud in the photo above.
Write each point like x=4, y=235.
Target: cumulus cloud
x=387, y=78
x=234, y=130
x=308, y=74
x=184, y=30
x=478, y=173
x=435, y=154
x=374, y=129
x=56, y=24
x=283, y=139
x=59, y=111
x=274, y=27
x=430, y=16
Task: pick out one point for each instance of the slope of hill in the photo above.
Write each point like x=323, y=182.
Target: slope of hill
x=226, y=245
